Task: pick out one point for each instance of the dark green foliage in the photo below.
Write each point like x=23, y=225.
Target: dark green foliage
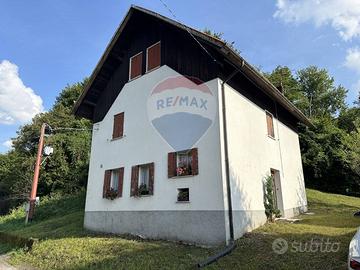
x=330, y=150
x=311, y=89
x=323, y=97
x=65, y=170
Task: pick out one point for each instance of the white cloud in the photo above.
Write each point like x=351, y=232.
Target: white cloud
x=18, y=103
x=342, y=15
x=352, y=59
x=7, y=144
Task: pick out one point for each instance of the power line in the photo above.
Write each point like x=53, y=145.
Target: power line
x=187, y=29
x=72, y=129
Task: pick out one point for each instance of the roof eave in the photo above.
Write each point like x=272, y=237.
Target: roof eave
x=249, y=70
x=103, y=58
x=234, y=57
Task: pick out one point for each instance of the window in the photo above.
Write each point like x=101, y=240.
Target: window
x=142, y=180
x=135, y=69
x=183, y=163
x=183, y=195
x=113, y=183
x=118, y=129
x=270, y=125
x=153, y=56
x=144, y=177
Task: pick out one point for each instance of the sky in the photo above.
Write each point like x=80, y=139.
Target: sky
x=46, y=45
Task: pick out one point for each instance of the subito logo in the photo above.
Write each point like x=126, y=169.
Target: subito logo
x=181, y=111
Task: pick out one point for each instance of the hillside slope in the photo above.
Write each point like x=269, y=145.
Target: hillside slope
x=65, y=245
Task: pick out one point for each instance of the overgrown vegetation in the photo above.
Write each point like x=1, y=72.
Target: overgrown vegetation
x=331, y=148
x=65, y=245
x=271, y=209
x=66, y=170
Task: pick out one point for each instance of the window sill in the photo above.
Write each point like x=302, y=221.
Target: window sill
x=182, y=176
x=182, y=202
x=118, y=138
x=142, y=196
x=109, y=199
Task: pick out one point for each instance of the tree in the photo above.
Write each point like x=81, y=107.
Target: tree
x=65, y=170
x=322, y=97
x=283, y=78
x=325, y=156
x=353, y=154
x=330, y=149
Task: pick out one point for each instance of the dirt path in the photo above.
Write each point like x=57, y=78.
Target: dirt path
x=4, y=265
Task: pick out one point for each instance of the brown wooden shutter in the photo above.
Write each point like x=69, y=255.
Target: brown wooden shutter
x=118, y=129
x=270, y=125
x=151, y=178
x=171, y=164
x=153, y=57
x=135, y=66
x=107, y=179
x=194, y=161
x=121, y=182
x=134, y=180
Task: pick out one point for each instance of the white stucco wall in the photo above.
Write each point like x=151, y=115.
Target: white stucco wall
x=251, y=156
x=142, y=144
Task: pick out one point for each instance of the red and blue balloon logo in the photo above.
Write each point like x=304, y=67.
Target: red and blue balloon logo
x=181, y=110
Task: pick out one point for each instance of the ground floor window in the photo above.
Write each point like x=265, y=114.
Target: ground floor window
x=183, y=195
x=113, y=183
x=142, y=180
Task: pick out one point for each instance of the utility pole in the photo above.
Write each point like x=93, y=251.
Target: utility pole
x=32, y=199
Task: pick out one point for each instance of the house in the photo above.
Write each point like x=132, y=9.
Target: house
x=185, y=131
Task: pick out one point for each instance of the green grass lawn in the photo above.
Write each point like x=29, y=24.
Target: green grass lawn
x=65, y=245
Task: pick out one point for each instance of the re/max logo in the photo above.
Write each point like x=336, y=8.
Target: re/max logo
x=181, y=101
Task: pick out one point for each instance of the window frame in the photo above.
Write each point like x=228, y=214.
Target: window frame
x=188, y=195
x=142, y=168
x=173, y=163
x=272, y=136
x=109, y=182
x=131, y=79
x=147, y=57
x=136, y=180
x=187, y=153
x=123, y=124
x=112, y=182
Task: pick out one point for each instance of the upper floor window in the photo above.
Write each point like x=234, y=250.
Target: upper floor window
x=153, y=56
x=135, y=69
x=270, y=125
x=183, y=163
x=118, y=128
